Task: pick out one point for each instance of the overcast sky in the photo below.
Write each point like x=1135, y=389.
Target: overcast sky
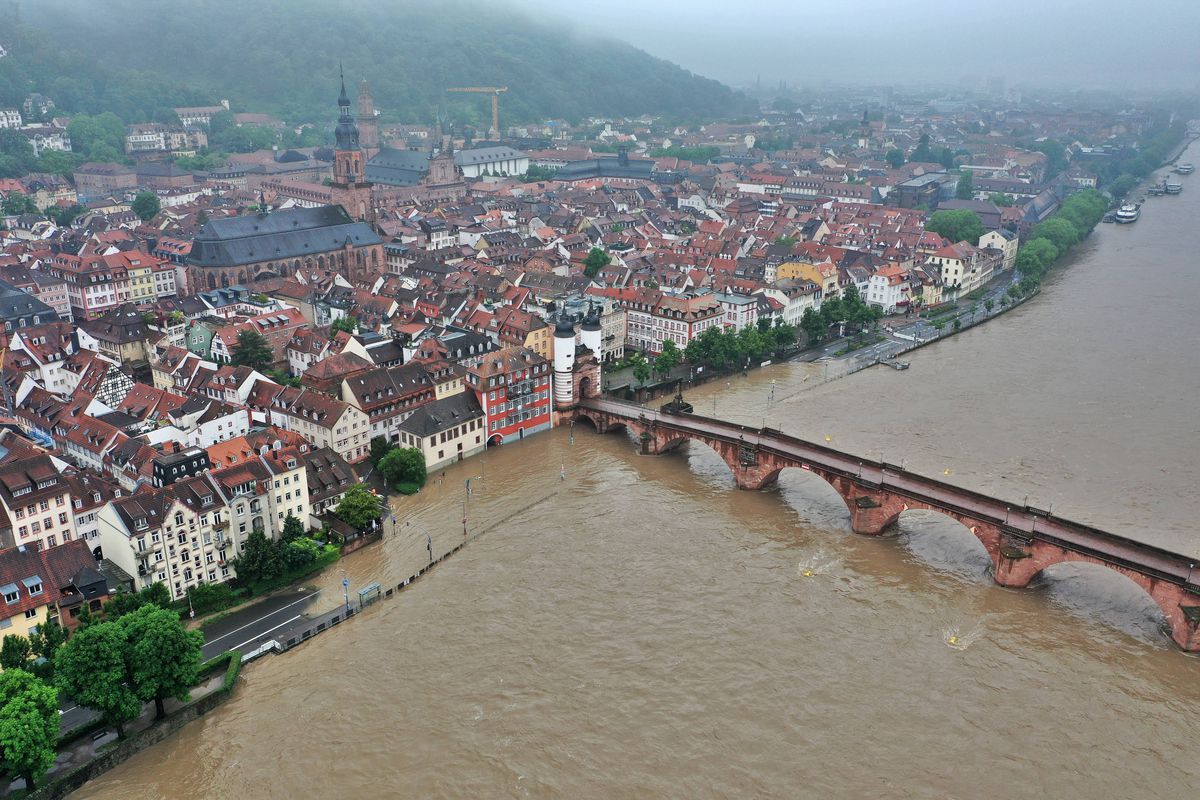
x=1092, y=43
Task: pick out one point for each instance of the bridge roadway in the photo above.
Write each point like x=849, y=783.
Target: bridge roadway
x=1029, y=524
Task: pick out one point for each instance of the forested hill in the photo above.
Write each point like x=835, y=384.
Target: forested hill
x=135, y=57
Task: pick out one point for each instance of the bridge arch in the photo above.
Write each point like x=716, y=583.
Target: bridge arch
x=947, y=541
x=812, y=488
x=600, y=422
x=1065, y=568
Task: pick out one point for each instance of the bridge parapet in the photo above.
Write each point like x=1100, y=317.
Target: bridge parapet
x=1022, y=541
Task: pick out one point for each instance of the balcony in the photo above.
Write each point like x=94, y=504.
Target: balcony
x=220, y=525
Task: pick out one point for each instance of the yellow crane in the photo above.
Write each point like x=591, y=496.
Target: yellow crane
x=495, y=92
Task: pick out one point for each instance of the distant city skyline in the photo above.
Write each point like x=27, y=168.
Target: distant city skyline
x=1049, y=43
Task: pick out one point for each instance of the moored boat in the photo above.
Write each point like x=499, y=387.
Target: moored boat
x=1173, y=187
x=1128, y=212
x=1186, y=168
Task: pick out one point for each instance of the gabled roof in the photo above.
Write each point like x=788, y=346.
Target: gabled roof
x=287, y=233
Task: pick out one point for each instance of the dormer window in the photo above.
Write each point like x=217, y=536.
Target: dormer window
x=140, y=523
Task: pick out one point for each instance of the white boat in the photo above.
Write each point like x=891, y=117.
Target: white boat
x=1186, y=168
x=1173, y=187
x=1128, y=212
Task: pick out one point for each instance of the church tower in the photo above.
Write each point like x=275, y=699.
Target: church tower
x=349, y=186
x=368, y=128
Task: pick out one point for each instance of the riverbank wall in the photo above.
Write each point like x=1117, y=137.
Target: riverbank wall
x=125, y=749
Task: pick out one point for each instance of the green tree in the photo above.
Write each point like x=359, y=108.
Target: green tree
x=751, y=345
x=535, y=174
x=98, y=138
x=15, y=652
x=1036, y=257
x=63, y=216
x=28, y=726
x=813, y=326
x=380, y=447
x=57, y=162
x=782, y=335
x=252, y=350
x=957, y=226
x=16, y=204
x=298, y=553
x=641, y=367
x=126, y=603
x=208, y=597
x=668, y=359
x=923, y=153
x=293, y=528
x=966, y=186
x=1002, y=200
x=699, y=154
x=259, y=559
x=85, y=617
x=91, y=669
x=16, y=154
x=596, y=260
x=347, y=324
x=146, y=205
x=49, y=636
x=1061, y=233
x=403, y=465
x=358, y=507
x=220, y=122
x=895, y=158
x=162, y=658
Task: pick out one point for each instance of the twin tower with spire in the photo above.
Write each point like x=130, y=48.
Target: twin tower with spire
x=350, y=187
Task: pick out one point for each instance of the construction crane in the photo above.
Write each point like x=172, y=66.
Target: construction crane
x=495, y=92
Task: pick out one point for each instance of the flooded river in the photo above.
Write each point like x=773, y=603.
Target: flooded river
x=643, y=629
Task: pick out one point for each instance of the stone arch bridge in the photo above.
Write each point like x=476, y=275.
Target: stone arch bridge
x=1021, y=541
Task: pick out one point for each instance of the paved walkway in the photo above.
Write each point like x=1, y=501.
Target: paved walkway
x=84, y=749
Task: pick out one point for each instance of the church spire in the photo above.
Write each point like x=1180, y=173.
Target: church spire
x=343, y=98
x=346, y=132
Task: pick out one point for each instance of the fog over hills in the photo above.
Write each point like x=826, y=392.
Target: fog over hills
x=1061, y=43
x=283, y=56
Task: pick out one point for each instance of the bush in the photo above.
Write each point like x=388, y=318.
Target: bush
x=209, y=597
x=407, y=488
x=329, y=554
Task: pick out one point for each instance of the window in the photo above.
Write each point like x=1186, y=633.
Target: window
x=31, y=613
x=11, y=595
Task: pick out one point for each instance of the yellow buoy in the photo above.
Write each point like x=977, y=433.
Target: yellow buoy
x=945, y=472
x=953, y=640
x=808, y=573
x=829, y=438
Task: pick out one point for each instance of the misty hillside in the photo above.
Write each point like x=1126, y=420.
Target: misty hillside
x=282, y=56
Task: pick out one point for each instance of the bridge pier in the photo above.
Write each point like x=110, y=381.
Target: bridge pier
x=1021, y=541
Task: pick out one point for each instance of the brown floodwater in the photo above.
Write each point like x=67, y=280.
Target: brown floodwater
x=643, y=629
